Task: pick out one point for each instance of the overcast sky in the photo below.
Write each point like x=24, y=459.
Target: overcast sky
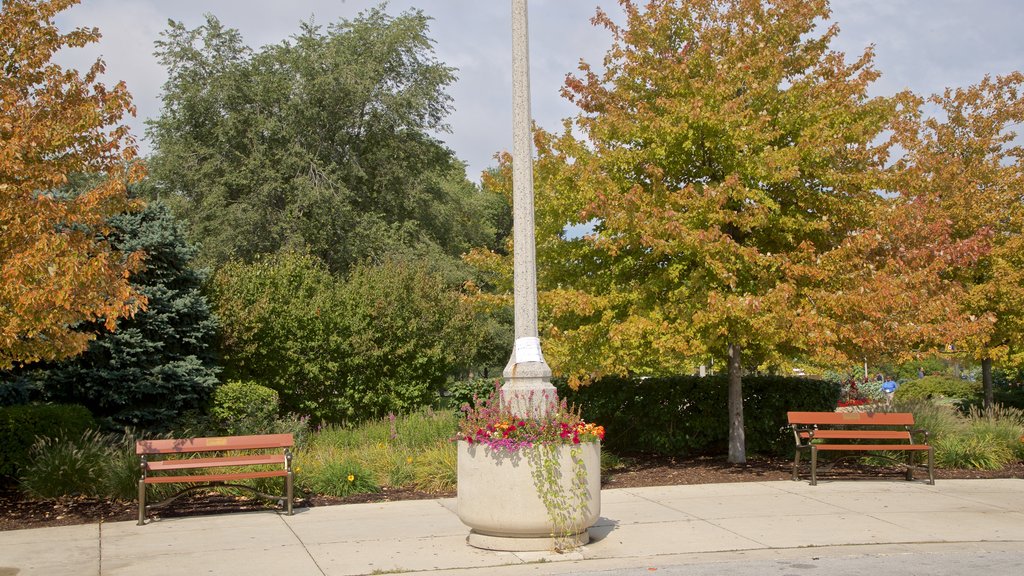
x=924, y=45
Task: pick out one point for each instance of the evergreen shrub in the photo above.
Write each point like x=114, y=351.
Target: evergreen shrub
x=21, y=426
x=689, y=414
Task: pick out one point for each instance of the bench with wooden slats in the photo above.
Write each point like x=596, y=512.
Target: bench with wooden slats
x=270, y=454
x=858, y=431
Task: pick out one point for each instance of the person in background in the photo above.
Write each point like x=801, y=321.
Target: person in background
x=889, y=387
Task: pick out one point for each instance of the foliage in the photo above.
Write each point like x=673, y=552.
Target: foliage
x=405, y=333
x=64, y=466
x=383, y=340
x=244, y=408
x=342, y=478
x=686, y=414
x=159, y=363
x=491, y=422
x=467, y=391
x=972, y=451
x=435, y=469
x=56, y=267
x=401, y=451
x=937, y=386
x=966, y=161
x=21, y=426
x=721, y=153
x=281, y=328
x=322, y=144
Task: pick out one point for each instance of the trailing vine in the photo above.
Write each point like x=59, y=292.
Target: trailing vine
x=563, y=506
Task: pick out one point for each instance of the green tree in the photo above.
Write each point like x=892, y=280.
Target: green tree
x=723, y=146
x=160, y=363
x=321, y=144
x=56, y=270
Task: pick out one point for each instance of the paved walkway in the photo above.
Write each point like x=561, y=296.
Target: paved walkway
x=639, y=529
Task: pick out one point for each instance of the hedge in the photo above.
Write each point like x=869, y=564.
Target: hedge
x=21, y=426
x=683, y=415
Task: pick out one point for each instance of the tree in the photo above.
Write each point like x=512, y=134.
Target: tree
x=56, y=268
x=723, y=146
x=160, y=363
x=320, y=144
x=966, y=161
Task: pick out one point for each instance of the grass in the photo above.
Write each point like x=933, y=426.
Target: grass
x=410, y=451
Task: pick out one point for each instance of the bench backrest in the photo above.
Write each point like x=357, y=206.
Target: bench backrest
x=185, y=445
x=851, y=418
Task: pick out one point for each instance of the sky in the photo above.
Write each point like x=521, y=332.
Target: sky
x=923, y=45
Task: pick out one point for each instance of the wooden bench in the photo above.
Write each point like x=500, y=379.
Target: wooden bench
x=858, y=431
x=269, y=453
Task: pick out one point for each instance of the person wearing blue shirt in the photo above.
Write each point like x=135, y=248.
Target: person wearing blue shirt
x=889, y=387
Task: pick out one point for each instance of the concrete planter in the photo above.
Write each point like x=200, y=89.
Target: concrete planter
x=498, y=500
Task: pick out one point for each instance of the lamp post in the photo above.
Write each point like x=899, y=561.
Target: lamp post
x=527, y=389
x=498, y=491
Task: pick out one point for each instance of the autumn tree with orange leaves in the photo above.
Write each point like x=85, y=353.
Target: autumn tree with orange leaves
x=967, y=161
x=56, y=270
x=723, y=148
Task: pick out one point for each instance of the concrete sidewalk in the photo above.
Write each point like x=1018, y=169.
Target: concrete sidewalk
x=640, y=528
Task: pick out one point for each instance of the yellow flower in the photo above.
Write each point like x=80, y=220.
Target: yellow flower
x=408, y=460
x=351, y=478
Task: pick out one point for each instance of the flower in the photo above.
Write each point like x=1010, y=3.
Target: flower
x=490, y=423
x=351, y=478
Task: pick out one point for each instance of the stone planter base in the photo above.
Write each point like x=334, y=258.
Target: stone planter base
x=517, y=544
x=497, y=498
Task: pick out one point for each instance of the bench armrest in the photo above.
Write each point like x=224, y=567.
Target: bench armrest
x=921, y=431
x=798, y=430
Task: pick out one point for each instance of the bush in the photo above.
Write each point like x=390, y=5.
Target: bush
x=343, y=351
x=435, y=469
x=22, y=426
x=68, y=466
x=688, y=414
x=244, y=408
x=341, y=478
x=936, y=386
x=466, y=391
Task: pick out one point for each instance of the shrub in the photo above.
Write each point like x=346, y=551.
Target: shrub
x=467, y=391
x=68, y=466
x=341, y=478
x=688, y=414
x=21, y=426
x=936, y=386
x=244, y=408
x=435, y=469
x=971, y=450
x=383, y=340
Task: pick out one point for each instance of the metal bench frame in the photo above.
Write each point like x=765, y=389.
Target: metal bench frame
x=266, y=454
x=884, y=432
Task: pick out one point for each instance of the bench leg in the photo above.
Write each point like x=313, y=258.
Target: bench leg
x=814, y=466
x=142, y=502
x=796, y=465
x=289, y=483
x=931, y=463
x=911, y=463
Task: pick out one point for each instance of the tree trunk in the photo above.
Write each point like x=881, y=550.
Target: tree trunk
x=737, y=440
x=986, y=382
